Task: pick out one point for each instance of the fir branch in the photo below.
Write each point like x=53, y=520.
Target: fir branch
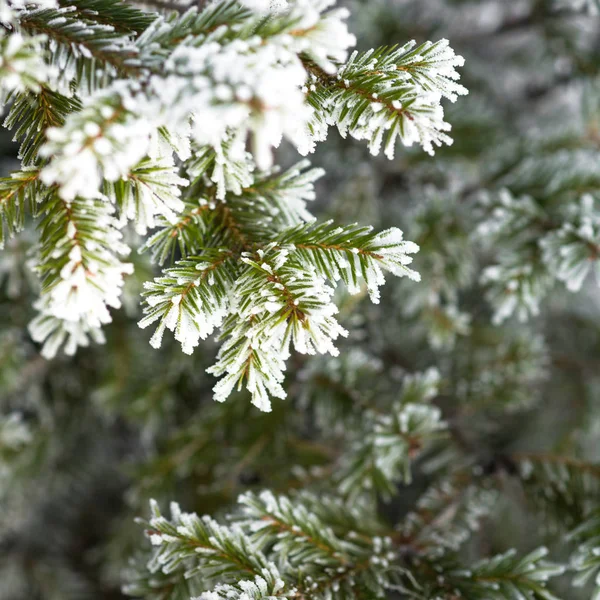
x=80, y=270
x=446, y=515
x=497, y=578
x=186, y=233
x=303, y=536
x=18, y=193
x=32, y=113
x=351, y=253
x=85, y=33
x=585, y=560
x=564, y=489
x=122, y=16
x=218, y=551
x=191, y=299
x=387, y=444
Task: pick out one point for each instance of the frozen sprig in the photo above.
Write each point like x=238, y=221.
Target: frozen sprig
x=448, y=514
x=9, y=9
x=211, y=547
x=22, y=66
x=586, y=557
x=266, y=586
x=228, y=165
x=253, y=86
x=279, y=547
x=381, y=459
x=300, y=533
x=573, y=250
x=353, y=253
x=277, y=302
x=150, y=189
x=265, y=297
x=208, y=93
x=516, y=287
x=191, y=299
x=101, y=142
x=388, y=94
x=495, y=578
x=82, y=274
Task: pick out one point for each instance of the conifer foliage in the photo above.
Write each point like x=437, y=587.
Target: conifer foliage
x=159, y=138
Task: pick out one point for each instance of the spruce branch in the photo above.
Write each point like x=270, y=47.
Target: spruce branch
x=85, y=32
x=496, y=578
x=191, y=299
x=31, y=114
x=80, y=270
x=585, y=560
x=18, y=193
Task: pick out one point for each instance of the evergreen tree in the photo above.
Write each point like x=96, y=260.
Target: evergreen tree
x=435, y=440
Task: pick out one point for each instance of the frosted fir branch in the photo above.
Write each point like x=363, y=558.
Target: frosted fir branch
x=542, y=247
x=81, y=273
x=316, y=559
x=18, y=192
x=10, y=9
x=517, y=286
x=31, y=114
x=448, y=514
x=294, y=301
x=208, y=79
x=495, y=578
x=22, y=66
x=220, y=82
x=445, y=323
x=211, y=549
x=151, y=188
x=76, y=33
x=388, y=93
x=264, y=297
x=505, y=218
x=227, y=165
x=573, y=251
x=266, y=586
x=241, y=362
x=355, y=521
x=563, y=489
x=277, y=303
x=300, y=533
x=382, y=458
x=242, y=556
x=431, y=67
x=353, y=253
x=191, y=299
x=519, y=282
